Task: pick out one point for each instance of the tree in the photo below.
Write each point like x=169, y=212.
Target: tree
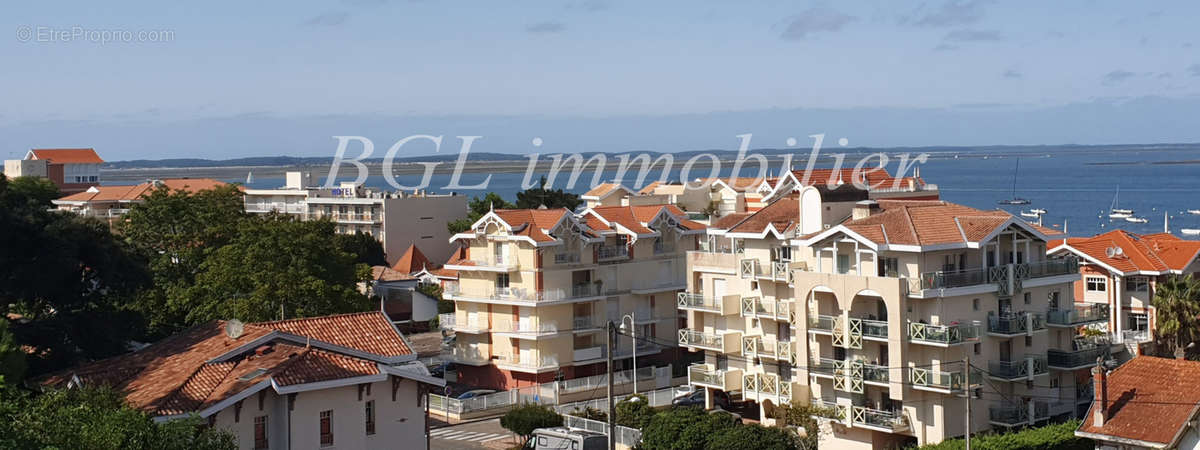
x=634, y=412
x=685, y=429
x=12, y=359
x=523, y=419
x=477, y=208
x=364, y=247
x=1177, y=301
x=803, y=417
x=276, y=266
x=591, y=413
x=753, y=435
x=537, y=197
x=1059, y=436
x=37, y=191
x=96, y=418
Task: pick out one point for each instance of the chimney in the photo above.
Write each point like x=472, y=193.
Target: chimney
x=864, y=209
x=1100, y=386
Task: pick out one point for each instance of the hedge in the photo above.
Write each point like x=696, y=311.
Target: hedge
x=1059, y=436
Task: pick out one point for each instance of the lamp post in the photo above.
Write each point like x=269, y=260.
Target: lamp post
x=633, y=341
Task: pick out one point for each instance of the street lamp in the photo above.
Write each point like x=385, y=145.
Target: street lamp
x=633, y=341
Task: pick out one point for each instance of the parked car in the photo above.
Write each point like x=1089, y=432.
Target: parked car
x=696, y=398
x=561, y=437
x=475, y=393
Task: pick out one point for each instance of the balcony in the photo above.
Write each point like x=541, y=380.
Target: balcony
x=780, y=271
x=1082, y=314
x=1022, y=323
x=1084, y=354
x=522, y=295
x=524, y=329
x=829, y=409
x=875, y=329
x=944, y=382
x=466, y=354
x=821, y=324
x=764, y=386
x=446, y=321
x=589, y=354
x=677, y=282
x=567, y=258
x=499, y=265
x=730, y=343
x=612, y=252
x=756, y=346
x=942, y=335
x=759, y=308
x=1003, y=275
x=1025, y=369
x=586, y=322
x=281, y=207
x=699, y=302
x=527, y=363
x=878, y=420
x=708, y=376
x=1135, y=336
x=823, y=367
x=1015, y=415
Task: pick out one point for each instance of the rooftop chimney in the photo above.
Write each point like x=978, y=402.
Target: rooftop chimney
x=864, y=209
x=1100, y=386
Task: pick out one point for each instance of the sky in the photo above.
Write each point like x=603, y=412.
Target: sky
x=229, y=79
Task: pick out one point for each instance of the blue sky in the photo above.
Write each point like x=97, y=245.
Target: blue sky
x=273, y=77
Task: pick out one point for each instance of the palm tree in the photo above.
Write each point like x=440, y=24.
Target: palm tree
x=1177, y=303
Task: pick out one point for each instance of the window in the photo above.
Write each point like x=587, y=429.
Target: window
x=326, y=428
x=975, y=304
x=1138, y=284
x=1054, y=383
x=1096, y=284
x=370, y=416
x=978, y=348
x=501, y=281
x=1138, y=322
x=843, y=263
x=1029, y=341
x=1028, y=298
x=785, y=253
x=889, y=267
x=260, y=433
x=1054, y=296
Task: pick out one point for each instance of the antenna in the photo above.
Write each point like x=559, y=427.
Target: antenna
x=234, y=328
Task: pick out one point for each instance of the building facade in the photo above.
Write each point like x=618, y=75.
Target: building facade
x=874, y=316
x=111, y=203
x=71, y=169
x=536, y=288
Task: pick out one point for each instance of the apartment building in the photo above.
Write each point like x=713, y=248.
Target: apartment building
x=1122, y=270
x=396, y=219
x=348, y=381
x=536, y=288
x=111, y=203
x=71, y=169
x=872, y=316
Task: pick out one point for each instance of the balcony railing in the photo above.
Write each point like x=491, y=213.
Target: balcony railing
x=823, y=366
x=776, y=309
x=1018, y=370
x=688, y=300
x=1083, y=353
x=1081, y=314
x=446, y=321
x=535, y=362
x=566, y=258
x=505, y=264
x=589, y=354
x=941, y=381
x=582, y=322
x=1135, y=336
x=942, y=335
x=877, y=419
x=765, y=384
x=467, y=355
x=821, y=323
x=874, y=328
x=520, y=294
x=875, y=373
x=1012, y=415
x=611, y=252
x=690, y=338
x=998, y=274
x=756, y=346
x=1015, y=324
x=772, y=270
x=707, y=375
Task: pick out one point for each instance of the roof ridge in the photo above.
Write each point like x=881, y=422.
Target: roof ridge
x=298, y=319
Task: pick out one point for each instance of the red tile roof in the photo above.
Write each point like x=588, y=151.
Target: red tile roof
x=67, y=155
x=135, y=192
x=1159, y=252
x=385, y=273
x=1151, y=400
x=369, y=332
x=636, y=218
x=782, y=214
x=531, y=222
x=928, y=222
x=603, y=189
x=412, y=261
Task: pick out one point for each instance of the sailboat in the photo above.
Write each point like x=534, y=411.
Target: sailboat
x=1136, y=220
x=1031, y=214
x=249, y=177
x=1015, y=200
x=1037, y=211
x=1117, y=213
x=1190, y=231
x=1194, y=212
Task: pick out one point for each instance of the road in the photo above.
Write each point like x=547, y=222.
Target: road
x=486, y=434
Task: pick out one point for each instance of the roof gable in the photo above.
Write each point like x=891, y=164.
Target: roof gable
x=66, y=155
x=1152, y=399
x=412, y=261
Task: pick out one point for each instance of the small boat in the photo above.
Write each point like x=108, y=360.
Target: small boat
x=249, y=177
x=1014, y=200
x=1190, y=231
x=1123, y=211
x=1136, y=220
x=1119, y=215
x=1038, y=211
x=1030, y=214
x=1194, y=212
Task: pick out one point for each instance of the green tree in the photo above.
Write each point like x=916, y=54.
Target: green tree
x=273, y=266
x=1177, y=301
x=477, y=208
x=539, y=196
x=96, y=418
x=1059, y=436
x=12, y=359
x=634, y=412
x=753, y=436
x=364, y=247
x=685, y=429
x=37, y=191
x=523, y=419
x=803, y=417
x=589, y=412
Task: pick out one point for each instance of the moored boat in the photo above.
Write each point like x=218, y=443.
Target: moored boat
x=1136, y=220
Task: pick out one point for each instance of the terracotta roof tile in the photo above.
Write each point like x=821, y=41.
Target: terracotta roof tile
x=369, y=332
x=67, y=155
x=603, y=189
x=782, y=214
x=412, y=261
x=385, y=273
x=1150, y=253
x=636, y=218
x=927, y=222
x=531, y=222
x=1150, y=398
x=315, y=365
x=135, y=192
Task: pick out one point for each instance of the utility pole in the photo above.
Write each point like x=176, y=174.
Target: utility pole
x=967, y=390
x=612, y=408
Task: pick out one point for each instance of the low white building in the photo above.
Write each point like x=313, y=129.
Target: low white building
x=348, y=381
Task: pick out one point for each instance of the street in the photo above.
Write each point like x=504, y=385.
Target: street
x=486, y=434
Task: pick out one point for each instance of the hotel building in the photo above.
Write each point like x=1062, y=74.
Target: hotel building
x=869, y=308
x=536, y=288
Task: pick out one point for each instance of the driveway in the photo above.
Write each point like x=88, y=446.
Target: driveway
x=485, y=434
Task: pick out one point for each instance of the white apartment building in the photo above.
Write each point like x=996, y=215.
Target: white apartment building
x=536, y=288
x=872, y=314
x=396, y=219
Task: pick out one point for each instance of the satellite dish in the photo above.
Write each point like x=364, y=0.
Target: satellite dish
x=1110, y=252
x=234, y=328
x=1120, y=251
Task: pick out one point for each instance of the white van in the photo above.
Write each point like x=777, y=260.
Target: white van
x=561, y=438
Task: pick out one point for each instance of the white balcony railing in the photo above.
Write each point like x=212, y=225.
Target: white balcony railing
x=611, y=252
x=455, y=291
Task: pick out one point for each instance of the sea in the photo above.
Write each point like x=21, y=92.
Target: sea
x=1075, y=185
